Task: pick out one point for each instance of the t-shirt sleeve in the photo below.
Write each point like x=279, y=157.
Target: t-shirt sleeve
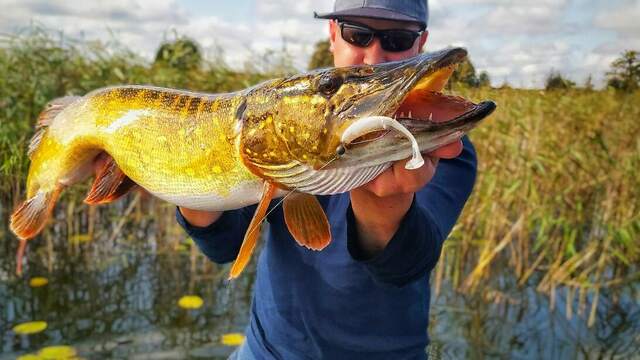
x=221, y=240
x=415, y=248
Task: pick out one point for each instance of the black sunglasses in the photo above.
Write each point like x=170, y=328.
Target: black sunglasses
x=393, y=40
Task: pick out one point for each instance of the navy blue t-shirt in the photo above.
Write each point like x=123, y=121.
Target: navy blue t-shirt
x=335, y=303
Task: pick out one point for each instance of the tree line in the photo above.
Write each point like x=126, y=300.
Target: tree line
x=624, y=75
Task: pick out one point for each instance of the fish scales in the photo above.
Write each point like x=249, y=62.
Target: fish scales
x=184, y=150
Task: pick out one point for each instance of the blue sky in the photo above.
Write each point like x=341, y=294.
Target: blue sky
x=514, y=40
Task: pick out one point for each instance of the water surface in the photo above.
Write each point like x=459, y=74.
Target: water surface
x=115, y=296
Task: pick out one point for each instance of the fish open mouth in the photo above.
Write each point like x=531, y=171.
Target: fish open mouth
x=420, y=105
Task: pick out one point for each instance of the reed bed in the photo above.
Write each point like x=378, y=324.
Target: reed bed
x=556, y=199
x=557, y=195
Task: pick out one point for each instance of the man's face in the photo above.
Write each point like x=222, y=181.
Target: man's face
x=345, y=54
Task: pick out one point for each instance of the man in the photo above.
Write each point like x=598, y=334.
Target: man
x=367, y=294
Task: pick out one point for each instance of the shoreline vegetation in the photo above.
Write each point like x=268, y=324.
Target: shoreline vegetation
x=556, y=201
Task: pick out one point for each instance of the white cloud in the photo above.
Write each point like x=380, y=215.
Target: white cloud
x=518, y=41
x=624, y=19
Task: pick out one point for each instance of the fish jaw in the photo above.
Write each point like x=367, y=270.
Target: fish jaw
x=429, y=136
x=423, y=120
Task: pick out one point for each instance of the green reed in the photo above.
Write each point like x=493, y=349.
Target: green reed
x=556, y=199
x=557, y=193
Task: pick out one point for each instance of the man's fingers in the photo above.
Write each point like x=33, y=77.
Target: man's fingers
x=448, y=151
x=397, y=179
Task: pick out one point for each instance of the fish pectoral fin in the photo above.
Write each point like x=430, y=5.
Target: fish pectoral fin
x=110, y=184
x=253, y=232
x=30, y=218
x=307, y=221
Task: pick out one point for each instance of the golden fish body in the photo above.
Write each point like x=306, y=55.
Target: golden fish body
x=180, y=146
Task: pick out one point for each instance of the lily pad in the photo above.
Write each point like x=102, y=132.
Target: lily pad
x=38, y=281
x=32, y=327
x=57, y=352
x=190, y=302
x=232, y=339
x=28, y=357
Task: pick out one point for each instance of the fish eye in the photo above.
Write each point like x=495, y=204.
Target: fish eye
x=329, y=84
x=340, y=150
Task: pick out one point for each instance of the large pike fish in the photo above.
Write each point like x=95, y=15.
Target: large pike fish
x=322, y=132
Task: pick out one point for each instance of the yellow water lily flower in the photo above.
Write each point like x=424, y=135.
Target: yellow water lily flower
x=190, y=302
x=38, y=281
x=28, y=328
x=57, y=352
x=232, y=339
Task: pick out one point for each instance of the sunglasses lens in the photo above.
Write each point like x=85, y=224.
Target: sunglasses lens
x=356, y=36
x=397, y=40
x=390, y=40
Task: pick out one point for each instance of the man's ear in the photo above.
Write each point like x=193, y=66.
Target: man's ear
x=333, y=32
x=423, y=39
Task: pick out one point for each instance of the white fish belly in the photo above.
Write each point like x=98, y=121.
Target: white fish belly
x=247, y=194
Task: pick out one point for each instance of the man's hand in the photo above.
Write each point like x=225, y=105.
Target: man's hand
x=380, y=205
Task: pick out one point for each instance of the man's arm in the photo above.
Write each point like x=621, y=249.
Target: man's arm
x=219, y=235
x=413, y=246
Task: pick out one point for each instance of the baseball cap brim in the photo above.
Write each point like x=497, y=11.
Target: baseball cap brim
x=369, y=12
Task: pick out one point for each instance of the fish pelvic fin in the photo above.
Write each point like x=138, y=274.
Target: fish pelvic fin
x=253, y=232
x=307, y=221
x=30, y=217
x=51, y=110
x=110, y=184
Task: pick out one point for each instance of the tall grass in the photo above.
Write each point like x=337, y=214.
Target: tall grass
x=557, y=197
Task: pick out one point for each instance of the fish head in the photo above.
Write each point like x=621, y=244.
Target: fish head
x=326, y=123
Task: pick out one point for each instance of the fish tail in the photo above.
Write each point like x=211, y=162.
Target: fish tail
x=30, y=217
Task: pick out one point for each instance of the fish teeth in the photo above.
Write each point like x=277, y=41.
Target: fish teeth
x=410, y=115
x=430, y=116
x=402, y=114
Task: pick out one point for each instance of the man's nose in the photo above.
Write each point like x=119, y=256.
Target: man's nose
x=374, y=54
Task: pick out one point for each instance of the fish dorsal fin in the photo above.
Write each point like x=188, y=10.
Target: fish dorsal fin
x=253, y=231
x=110, y=184
x=307, y=221
x=51, y=110
x=30, y=217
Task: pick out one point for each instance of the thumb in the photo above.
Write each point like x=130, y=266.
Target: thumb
x=448, y=151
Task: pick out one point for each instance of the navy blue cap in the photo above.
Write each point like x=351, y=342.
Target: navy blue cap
x=401, y=10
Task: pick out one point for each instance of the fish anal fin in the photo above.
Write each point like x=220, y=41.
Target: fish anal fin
x=253, y=232
x=51, y=110
x=110, y=184
x=307, y=221
x=30, y=217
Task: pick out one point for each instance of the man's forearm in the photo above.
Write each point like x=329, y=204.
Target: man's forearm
x=200, y=218
x=377, y=218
